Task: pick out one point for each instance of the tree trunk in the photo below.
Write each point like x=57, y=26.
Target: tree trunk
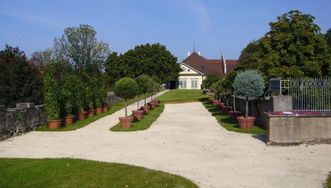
x=246, y=114
x=234, y=102
x=126, y=110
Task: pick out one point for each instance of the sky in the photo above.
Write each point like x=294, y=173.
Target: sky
x=214, y=27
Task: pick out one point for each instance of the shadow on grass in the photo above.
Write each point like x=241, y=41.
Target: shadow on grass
x=230, y=123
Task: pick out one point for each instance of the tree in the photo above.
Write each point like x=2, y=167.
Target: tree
x=153, y=60
x=126, y=88
x=248, y=84
x=328, y=37
x=20, y=80
x=51, y=93
x=206, y=83
x=294, y=47
x=142, y=83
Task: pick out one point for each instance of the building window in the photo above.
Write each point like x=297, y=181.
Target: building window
x=194, y=83
x=182, y=83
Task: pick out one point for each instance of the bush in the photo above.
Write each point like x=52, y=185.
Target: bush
x=206, y=83
x=248, y=84
x=51, y=98
x=126, y=88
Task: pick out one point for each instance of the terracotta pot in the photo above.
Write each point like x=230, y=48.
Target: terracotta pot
x=105, y=108
x=69, y=120
x=227, y=109
x=156, y=101
x=54, y=124
x=246, y=123
x=221, y=105
x=81, y=115
x=99, y=110
x=138, y=114
x=215, y=102
x=151, y=105
x=126, y=122
x=145, y=109
x=90, y=113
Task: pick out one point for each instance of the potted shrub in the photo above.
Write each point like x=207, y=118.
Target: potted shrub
x=91, y=109
x=98, y=103
x=248, y=84
x=68, y=108
x=51, y=101
x=67, y=96
x=126, y=88
x=215, y=89
x=146, y=80
x=228, y=84
x=154, y=87
x=141, y=81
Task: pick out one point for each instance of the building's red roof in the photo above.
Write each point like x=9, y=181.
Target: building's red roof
x=209, y=66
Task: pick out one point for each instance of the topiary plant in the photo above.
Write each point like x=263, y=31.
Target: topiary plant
x=248, y=84
x=142, y=83
x=126, y=88
x=51, y=98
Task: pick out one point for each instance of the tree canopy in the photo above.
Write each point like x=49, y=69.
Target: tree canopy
x=153, y=60
x=20, y=80
x=294, y=47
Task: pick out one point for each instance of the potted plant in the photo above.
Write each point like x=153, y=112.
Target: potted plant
x=146, y=80
x=98, y=103
x=154, y=86
x=126, y=88
x=228, y=84
x=141, y=81
x=68, y=108
x=51, y=101
x=91, y=109
x=214, y=88
x=248, y=84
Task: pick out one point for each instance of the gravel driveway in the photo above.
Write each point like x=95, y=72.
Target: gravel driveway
x=188, y=141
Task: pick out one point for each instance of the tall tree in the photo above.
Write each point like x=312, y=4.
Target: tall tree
x=18, y=77
x=294, y=47
x=153, y=60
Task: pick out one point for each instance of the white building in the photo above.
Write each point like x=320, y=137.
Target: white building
x=196, y=68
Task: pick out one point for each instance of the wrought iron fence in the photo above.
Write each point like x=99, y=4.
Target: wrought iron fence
x=310, y=93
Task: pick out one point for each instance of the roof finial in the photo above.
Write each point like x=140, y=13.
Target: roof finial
x=193, y=46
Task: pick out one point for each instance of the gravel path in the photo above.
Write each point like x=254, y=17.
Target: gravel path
x=185, y=140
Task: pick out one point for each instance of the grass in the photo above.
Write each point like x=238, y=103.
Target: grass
x=143, y=124
x=181, y=96
x=228, y=123
x=82, y=173
x=79, y=124
x=328, y=185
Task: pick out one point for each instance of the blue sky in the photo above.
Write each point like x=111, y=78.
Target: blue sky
x=215, y=26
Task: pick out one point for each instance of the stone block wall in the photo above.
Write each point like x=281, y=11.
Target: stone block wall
x=25, y=117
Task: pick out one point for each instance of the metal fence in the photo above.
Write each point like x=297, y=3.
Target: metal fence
x=310, y=93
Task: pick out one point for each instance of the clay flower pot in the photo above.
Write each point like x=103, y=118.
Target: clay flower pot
x=246, y=123
x=105, y=108
x=152, y=104
x=227, y=109
x=54, y=124
x=99, y=110
x=90, y=113
x=221, y=105
x=156, y=101
x=81, y=115
x=215, y=102
x=126, y=122
x=145, y=109
x=138, y=114
x=69, y=120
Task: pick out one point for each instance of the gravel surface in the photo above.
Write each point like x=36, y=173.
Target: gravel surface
x=185, y=140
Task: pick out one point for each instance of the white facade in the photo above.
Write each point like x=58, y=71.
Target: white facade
x=189, y=78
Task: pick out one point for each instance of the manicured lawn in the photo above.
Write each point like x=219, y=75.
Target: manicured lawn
x=79, y=124
x=182, y=95
x=82, y=173
x=145, y=123
x=329, y=181
x=227, y=122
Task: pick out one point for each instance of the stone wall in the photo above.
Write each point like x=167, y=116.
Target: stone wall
x=258, y=107
x=25, y=117
x=298, y=129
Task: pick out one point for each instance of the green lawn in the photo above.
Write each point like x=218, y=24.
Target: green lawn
x=79, y=124
x=329, y=181
x=227, y=122
x=82, y=173
x=145, y=123
x=182, y=95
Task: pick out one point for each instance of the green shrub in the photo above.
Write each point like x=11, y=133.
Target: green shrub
x=206, y=83
x=142, y=83
x=248, y=84
x=51, y=98
x=126, y=88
